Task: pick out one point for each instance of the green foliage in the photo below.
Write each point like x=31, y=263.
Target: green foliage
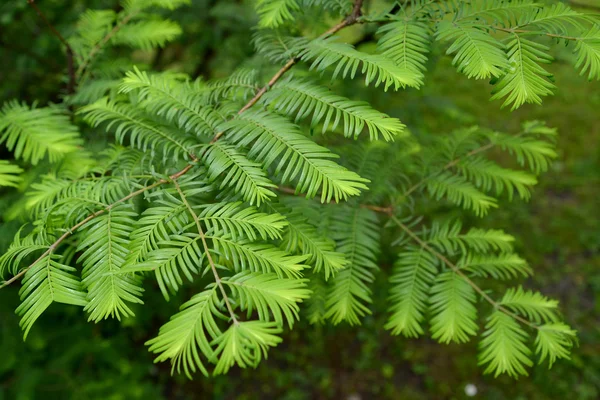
x=147, y=34
x=34, y=133
x=105, y=248
x=9, y=174
x=504, y=346
x=378, y=69
x=310, y=163
x=274, y=12
x=190, y=330
x=526, y=80
x=356, y=233
x=452, y=305
x=47, y=282
x=268, y=294
x=407, y=43
x=303, y=98
x=478, y=54
x=196, y=187
x=143, y=133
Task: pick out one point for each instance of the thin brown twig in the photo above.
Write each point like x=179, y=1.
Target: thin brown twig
x=70, y=61
x=457, y=271
x=351, y=19
x=207, y=252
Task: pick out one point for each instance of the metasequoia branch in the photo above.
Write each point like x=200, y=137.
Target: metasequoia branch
x=457, y=271
x=349, y=20
x=69, y=50
x=58, y=241
x=213, y=267
x=389, y=212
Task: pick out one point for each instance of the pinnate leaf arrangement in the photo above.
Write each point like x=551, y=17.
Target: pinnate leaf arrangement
x=270, y=196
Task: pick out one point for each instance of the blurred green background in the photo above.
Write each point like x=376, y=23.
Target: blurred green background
x=558, y=232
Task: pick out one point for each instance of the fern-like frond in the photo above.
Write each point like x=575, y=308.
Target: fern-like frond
x=9, y=174
x=557, y=18
x=316, y=304
x=177, y=102
x=377, y=69
x=502, y=266
x=240, y=221
x=190, y=333
x=273, y=13
x=488, y=175
x=93, y=91
x=273, y=136
x=273, y=298
x=52, y=192
x=18, y=251
x=91, y=27
x=414, y=273
x=33, y=133
x=535, y=306
x=452, y=305
x=525, y=80
x=241, y=84
x=587, y=49
x=460, y=192
x=179, y=254
x=495, y=11
x=143, y=133
x=258, y=257
x=535, y=153
x=407, y=44
x=46, y=282
x=357, y=234
x=147, y=34
x=302, y=98
x=273, y=45
x=245, y=344
x=301, y=237
x=154, y=227
x=245, y=177
x=479, y=55
x=503, y=347
x=554, y=341
x=448, y=238
x=104, y=244
x=140, y=5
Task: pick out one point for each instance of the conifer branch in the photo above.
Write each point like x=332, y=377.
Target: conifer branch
x=72, y=229
x=70, y=55
x=350, y=20
x=460, y=273
x=207, y=252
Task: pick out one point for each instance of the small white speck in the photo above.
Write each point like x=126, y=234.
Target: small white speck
x=470, y=390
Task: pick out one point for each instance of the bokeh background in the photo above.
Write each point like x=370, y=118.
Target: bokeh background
x=558, y=232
